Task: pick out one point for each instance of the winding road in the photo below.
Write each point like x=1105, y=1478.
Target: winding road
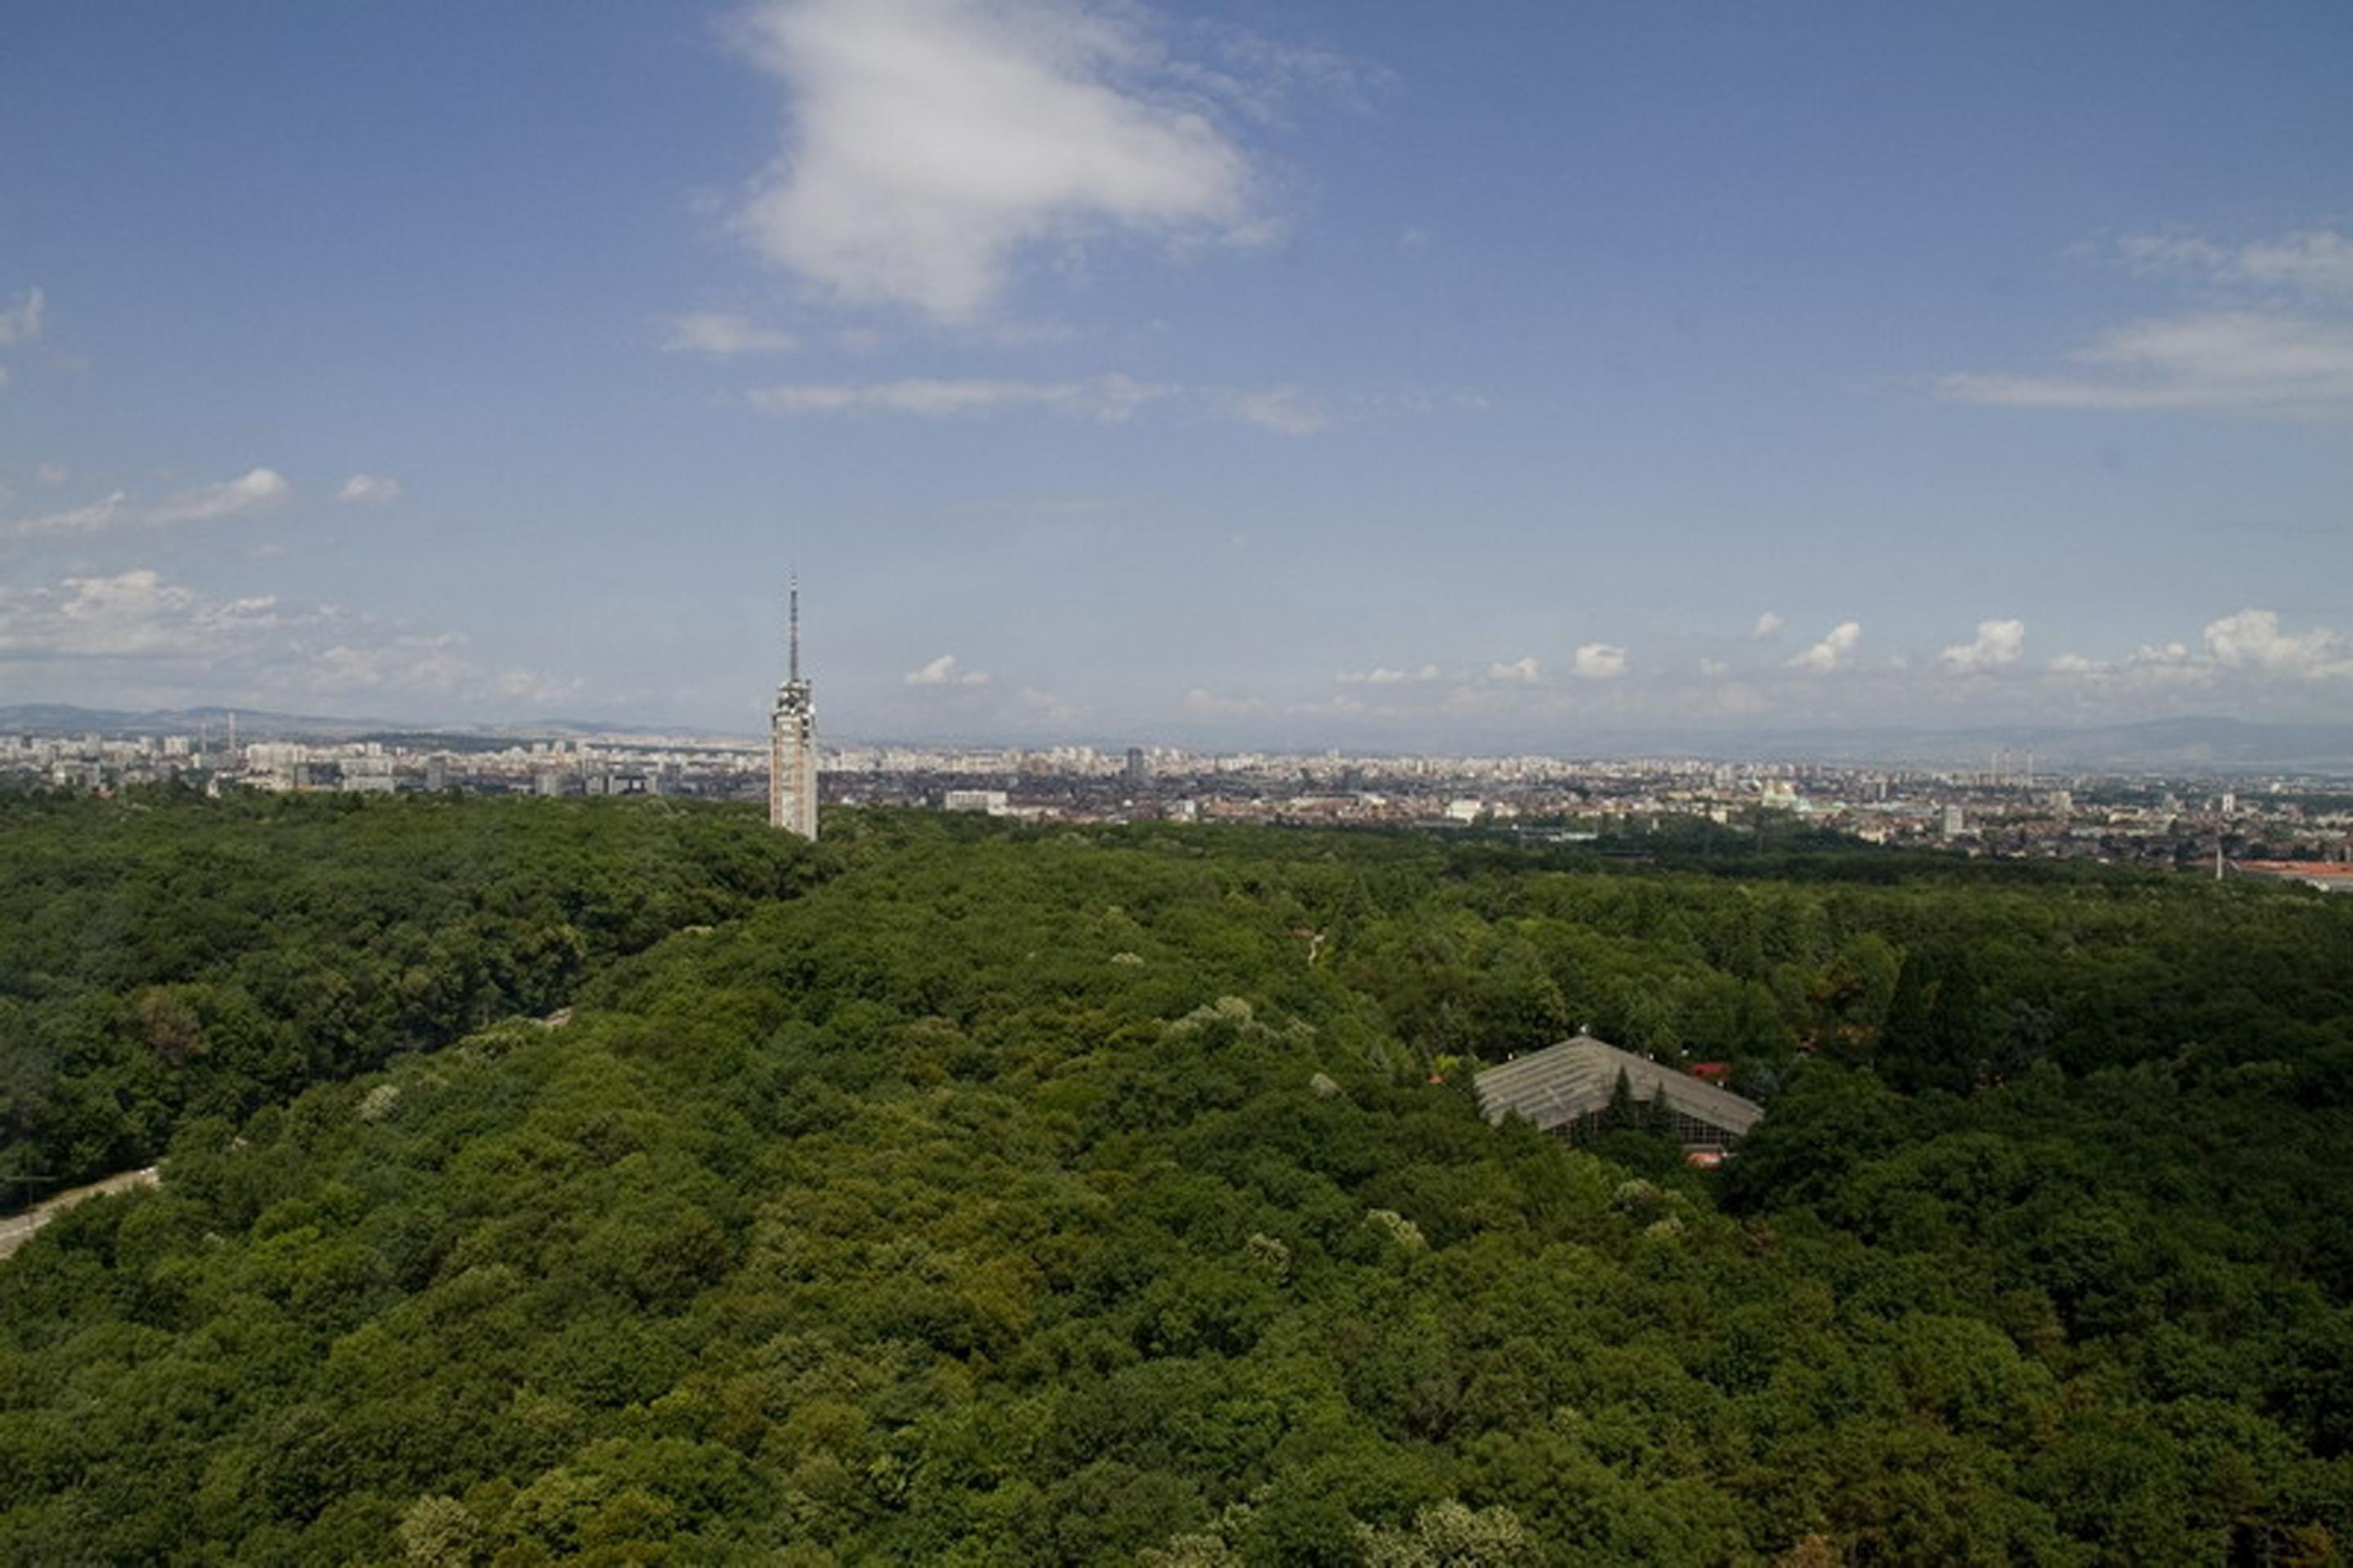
x=16, y=1230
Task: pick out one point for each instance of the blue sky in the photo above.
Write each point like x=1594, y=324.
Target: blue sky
x=1430, y=377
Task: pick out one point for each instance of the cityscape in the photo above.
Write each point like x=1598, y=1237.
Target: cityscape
x=2294, y=825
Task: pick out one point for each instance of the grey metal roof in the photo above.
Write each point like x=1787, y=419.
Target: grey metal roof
x=1563, y=1082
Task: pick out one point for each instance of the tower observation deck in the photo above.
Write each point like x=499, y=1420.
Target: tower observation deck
x=792, y=738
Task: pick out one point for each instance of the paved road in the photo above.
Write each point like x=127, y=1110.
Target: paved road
x=18, y=1229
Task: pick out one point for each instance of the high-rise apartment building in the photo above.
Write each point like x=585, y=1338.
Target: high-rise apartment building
x=792, y=739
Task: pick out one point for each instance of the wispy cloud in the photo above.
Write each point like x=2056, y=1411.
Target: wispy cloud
x=1382, y=675
x=723, y=336
x=92, y=517
x=254, y=489
x=251, y=491
x=133, y=614
x=1836, y=649
x=2248, y=361
x=1286, y=410
x=1283, y=410
x=1104, y=397
x=942, y=672
x=21, y=322
x=1997, y=643
x=144, y=628
x=1047, y=707
x=931, y=142
x=2314, y=261
x=1768, y=625
x=1203, y=702
x=2265, y=330
x=370, y=489
x=1522, y=669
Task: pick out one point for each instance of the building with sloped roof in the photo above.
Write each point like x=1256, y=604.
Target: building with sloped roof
x=1568, y=1089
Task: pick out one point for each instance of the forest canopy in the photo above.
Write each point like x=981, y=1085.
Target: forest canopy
x=622, y=1182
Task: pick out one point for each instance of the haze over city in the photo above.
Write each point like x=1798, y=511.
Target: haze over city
x=1425, y=377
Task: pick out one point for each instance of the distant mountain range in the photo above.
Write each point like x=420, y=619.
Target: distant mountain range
x=2221, y=744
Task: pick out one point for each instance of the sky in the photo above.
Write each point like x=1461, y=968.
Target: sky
x=1363, y=373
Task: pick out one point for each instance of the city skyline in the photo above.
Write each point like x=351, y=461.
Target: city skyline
x=1178, y=373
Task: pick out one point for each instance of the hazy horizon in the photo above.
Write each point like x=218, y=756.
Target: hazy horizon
x=1340, y=378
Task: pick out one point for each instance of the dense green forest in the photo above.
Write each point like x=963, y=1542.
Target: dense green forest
x=620, y=1182
x=163, y=957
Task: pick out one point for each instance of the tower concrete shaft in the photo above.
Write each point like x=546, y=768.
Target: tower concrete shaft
x=792, y=737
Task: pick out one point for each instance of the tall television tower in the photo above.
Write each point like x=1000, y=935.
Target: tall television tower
x=792, y=738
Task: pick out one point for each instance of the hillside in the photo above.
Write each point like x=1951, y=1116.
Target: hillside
x=960, y=1194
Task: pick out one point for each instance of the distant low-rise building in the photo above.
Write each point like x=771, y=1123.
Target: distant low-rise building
x=2328, y=875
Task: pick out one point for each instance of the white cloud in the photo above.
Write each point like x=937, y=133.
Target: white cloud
x=1286, y=410
x=133, y=614
x=1046, y=705
x=942, y=672
x=139, y=627
x=537, y=685
x=2248, y=646
x=1105, y=397
x=933, y=141
x=370, y=489
x=22, y=322
x=2251, y=640
x=1714, y=668
x=2264, y=332
x=49, y=475
x=95, y=517
x=1380, y=675
x=1203, y=702
x=2250, y=361
x=710, y=332
x=1599, y=662
x=1833, y=650
x=257, y=488
x=2150, y=664
x=1768, y=625
x=434, y=663
x=249, y=491
x=1997, y=642
x=1525, y=670
x=2312, y=261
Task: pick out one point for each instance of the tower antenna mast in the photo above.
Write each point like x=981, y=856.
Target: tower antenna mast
x=792, y=735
